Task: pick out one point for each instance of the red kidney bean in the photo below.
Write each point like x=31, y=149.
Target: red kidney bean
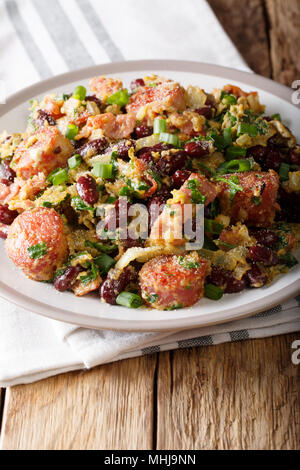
x=94, y=99
x=179, y=178
x=3, y=231
x=111, y=288
x=143, y=131
x=273, y=159
x=6, y=171
x=258, y=152
x=113, y=217
x=7, y=216
x=289, y=203
x=159, y=148
x=147, y=157
x=206, y=111
x=136, y=83
x=197, y=149
x=66, y=280
x=263, y=254
x=294, y=157
x=255, y=277
x=264, y=236
x=124, y=147
x=94, y=147
x=43, y=118
x=87, y=189
x=168, y=164
x=226, y=280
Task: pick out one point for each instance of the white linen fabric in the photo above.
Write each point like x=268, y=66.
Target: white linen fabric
x=39, y=39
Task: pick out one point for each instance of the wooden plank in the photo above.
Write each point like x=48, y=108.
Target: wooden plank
x=232, y=396
x=284, y=19
x=244, y=22
x=2, y=399
x=110, y=407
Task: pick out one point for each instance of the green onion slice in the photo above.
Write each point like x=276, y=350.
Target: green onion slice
x=102, y=170
x=159, y=125
x=128, y=299
x=235, y=151
x=104, y=263
x=71, y=131
x=74, y=162
x=284, y=171
x=172, y=139
x=234, y=166
x=80, y=93
x=58, y=176
x=213, y=292
x=121, y=98
x=250, y=129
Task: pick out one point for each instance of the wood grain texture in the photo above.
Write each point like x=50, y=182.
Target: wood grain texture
x=245, y=23
x=284, y=20
x=234, y=396
x=110, y=407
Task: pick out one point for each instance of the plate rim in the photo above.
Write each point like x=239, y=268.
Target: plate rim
x=249, y=78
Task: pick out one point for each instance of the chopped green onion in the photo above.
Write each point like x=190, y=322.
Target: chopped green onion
x=37, y=251
x=276, y=116
x=169, y=138
x=111, y=199
x=235, y=151
x=47, y=204
x=104, y=263
x=102, y=170
x=125, y=191
x=80, y=93
x=209, y=244
x=289, y=260
x=159, y=125
x=121, y=98
x=80, y=205
x=71, y=131
x=211, y=226
x=250, y=129
x=58, y=176
x=74, y=162
x=227, y=134
x=213, y=292
x=127, y=299
x=234, y=166
x=100, y=247
x=284, y=171
x=91, y=276
x=229, y=99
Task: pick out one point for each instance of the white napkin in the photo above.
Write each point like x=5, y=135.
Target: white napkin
x=69, y=34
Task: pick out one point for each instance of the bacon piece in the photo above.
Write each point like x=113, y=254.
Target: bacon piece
x=104, y=87
x=42, y=151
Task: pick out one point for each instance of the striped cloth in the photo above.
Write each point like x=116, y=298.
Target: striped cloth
x=41, y=38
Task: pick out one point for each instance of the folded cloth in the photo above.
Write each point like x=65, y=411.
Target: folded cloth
x=69, y=34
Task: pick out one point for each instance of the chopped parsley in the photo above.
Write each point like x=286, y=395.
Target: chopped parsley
x=37, y=251
x=187, y=264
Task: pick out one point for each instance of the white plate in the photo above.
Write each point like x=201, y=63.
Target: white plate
x=89, y=311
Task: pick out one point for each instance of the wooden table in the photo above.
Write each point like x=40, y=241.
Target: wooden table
x=241, y=395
